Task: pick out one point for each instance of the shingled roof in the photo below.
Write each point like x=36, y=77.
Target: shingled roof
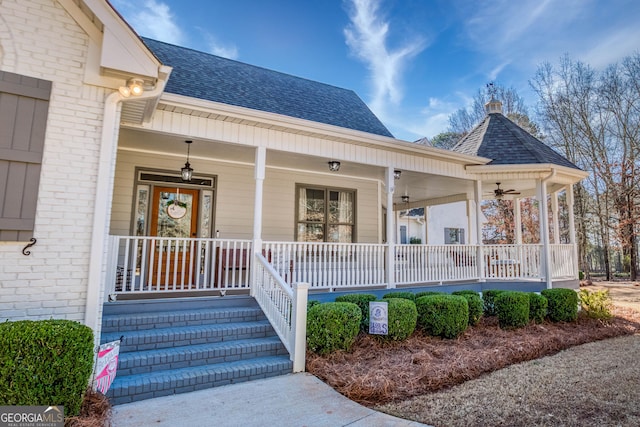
x=205, y=76
x=505, y=143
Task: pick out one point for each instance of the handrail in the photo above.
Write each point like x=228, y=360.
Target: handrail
x=285, y=308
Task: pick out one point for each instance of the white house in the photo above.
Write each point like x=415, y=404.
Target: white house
x=289, y=181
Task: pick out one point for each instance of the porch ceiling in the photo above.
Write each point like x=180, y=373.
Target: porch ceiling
x=422, y=188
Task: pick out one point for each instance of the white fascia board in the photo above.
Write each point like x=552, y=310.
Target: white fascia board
x=117, y=49
x=572, y=174
x=297, y=125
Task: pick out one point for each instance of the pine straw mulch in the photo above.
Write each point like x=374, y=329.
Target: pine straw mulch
x=95, y=411
x=374, y=372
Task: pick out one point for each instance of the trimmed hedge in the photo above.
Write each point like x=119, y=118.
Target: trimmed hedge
x=45, y=362
x=332, y=326
x=488, y=297
x=512, y=308
x=466, y=292
x=362, y=301
x=563, y=304
x=403, y=317
x=443, y=315
x=428, y=293
x=537, y=307
x=400, y=294
x=475, y=306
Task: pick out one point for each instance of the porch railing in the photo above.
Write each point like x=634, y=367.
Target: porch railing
x=152, y=264
x=155, y=264
x=328, y=265
x=563, y=262
x=284, y=306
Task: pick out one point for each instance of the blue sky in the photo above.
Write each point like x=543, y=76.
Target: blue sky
x=413, y=62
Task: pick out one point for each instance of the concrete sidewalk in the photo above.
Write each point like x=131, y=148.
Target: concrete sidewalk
x=288, y=400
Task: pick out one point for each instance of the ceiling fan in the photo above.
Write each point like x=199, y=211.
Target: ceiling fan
x=499, y=193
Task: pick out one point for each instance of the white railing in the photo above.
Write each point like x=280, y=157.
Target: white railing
x=328, y=265
x=435, y=263
x=563, y=264
x=152, y=264
x=285, y=308
x=512, y=262
x=155, y=264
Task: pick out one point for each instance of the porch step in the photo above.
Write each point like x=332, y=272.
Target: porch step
x=178, y=345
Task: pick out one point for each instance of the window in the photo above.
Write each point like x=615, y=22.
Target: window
x=24, y=105
x=454, y=236
x=325, y=214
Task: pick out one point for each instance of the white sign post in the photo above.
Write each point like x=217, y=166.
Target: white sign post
x=378, y=318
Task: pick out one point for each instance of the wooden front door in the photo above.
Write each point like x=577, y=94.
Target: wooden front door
x=174, y=214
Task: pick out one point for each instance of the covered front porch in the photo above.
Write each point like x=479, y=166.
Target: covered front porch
x=146, y=266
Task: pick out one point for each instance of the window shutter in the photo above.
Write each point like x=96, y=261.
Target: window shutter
x=24, y=104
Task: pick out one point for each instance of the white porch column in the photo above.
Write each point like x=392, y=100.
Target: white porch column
x=544, y=228
x=554, y=216
x=391, y=229
x=477, y=192
x=517, y=216
x=259, y=173
x=572, y=229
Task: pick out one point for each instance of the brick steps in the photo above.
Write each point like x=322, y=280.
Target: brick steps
x=182, y=345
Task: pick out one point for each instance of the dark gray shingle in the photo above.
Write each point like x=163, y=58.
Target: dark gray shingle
x=205, y=76
x=506, y=143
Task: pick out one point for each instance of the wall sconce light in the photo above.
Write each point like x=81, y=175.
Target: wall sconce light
x=405, y=199
x=187, y=170
x=396, y=174
x=334, y=166
x=134, y=87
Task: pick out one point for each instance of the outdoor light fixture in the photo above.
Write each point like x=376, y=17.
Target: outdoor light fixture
x=334, y=166
x=405, y=199
x=396, y=174
x=187, y=170
x=134, y=87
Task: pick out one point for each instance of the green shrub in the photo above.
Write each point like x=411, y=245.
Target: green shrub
x=45, y=362
x=427, y=293
x=332, y=326
x=402, y=316
x=537, y=307
x=362, y=301
x=443, y=315
x=466, y=292
x=512, y=308
x=400, y=294
x=311, y=303
x=475, y=306
x=563, y=304
x=488, y=297
x=597, y=304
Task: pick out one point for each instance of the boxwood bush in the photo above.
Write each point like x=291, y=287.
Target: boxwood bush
x=426, y=293
x=332, y=326
x=475, y=306
x=403, y=317
x=563, y=304
x=400, y=294
x=537, y=307
x=443, y=315
x=512, y=308
x=45, y=362
x=488, y=297
x=362, y=301
x=466, y=292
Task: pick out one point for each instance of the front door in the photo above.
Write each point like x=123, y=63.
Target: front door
x=174, y=214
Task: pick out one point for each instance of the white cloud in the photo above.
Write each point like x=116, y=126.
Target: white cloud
x=151, y=18
x=367, y=37
x=218, y=48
